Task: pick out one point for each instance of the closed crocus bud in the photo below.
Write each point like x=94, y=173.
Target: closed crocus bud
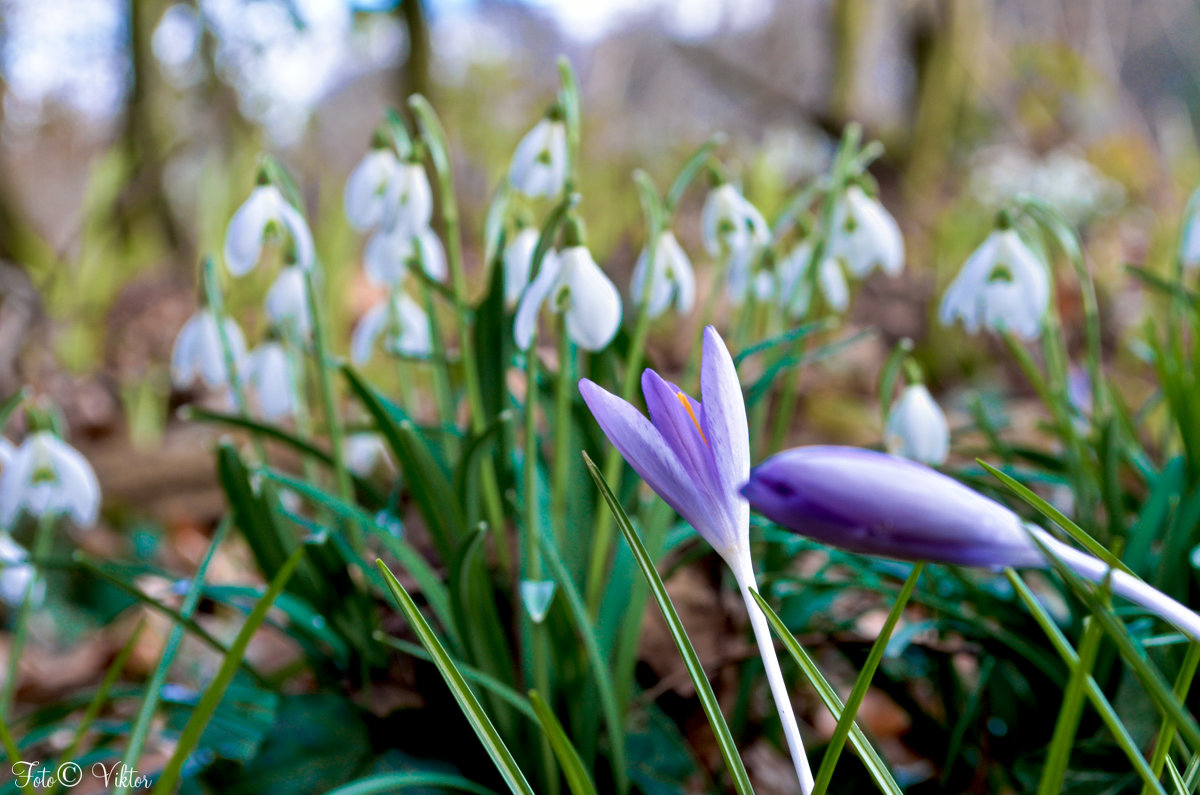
x=1003, y=286
x=571, y=283
x=403, y=325
x=390, y=252
x=270, y=374
x=46, y=477
x=287, y=302
x=367, y=187
x=733, y=228
x=199, y=355
x=539, y=164
x=865, y=235
x=795, y=288
x=518, y=261
x=917, y=428
x=265, y=211
x=670, y=280
x=877, y=504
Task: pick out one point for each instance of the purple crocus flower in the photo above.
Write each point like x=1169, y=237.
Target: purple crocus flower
x=877, y=504
x=696, y=456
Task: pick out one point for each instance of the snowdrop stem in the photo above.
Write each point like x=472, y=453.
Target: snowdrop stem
x=743, y=572
x=529, y=546
x=295, y=354
x=440, y=368
x=562, y=432
x=43, y=544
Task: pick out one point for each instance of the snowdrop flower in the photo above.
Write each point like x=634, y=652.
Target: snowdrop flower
x=408, y=203
x=47, y=477
x=363, y=452
x=518, y=261
x=865, y=235
x=733, y=228
x=199, y=355
x=6, y=452
x=917, y=428
x=270, y=374
x=795, y=289
x=266, y=211
x=287, y=301
x=764, y=286
x=671, y=280
x=367, y=187
x=1003, y=286
x=572, y=284
x=403, y=324
x=16, y=573
x=536, y=596
x=391, y=252
x=696, y=456
x=539, y=164
x=877, y=504
x=1189, y=245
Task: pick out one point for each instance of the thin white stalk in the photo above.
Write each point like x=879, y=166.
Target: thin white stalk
x=743, y=572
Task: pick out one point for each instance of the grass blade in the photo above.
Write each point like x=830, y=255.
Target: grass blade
x=393, y=782
x=578, y=780
x=1063, y=739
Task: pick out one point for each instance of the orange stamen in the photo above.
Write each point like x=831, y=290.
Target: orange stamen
x=687, y=404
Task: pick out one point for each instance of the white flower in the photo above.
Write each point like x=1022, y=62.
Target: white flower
x=363, y=452
x=405, y=327
x=6, y=452
x=764, y=286
x=1189, y=246
x=48, y=477
x=198, y=353
x=734, y=228
x=539, y=164
x=16, y=574
x=389, y=252
x=518, y=260
x=408, y=203
x=367, y=187
x=287, y=301
x=1002, y=286
x=671, y=278
x=573, y=284
x=270, y=374
x=865, y=236
x=536, y=596
x=917, y=428
x=795, y=289
x=265, y=210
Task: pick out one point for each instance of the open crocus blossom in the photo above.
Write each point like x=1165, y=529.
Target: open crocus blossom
x=1003, y=286
x=367, y=188
x=573, y=285
x=287, y=302
x=865, y=235
x=917, y=428
x=199, y=354
x=539, y=164
x=670, y=279
x=795, y=287
x=877, y=504
x=265, y=212
x=733, y=228
x=391, y=252
x=696, y=456
x=48, y=478
x=403, y=324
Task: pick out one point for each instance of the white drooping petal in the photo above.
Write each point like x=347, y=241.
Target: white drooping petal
x=403, y=325
x=391, y=252
x=539, y=163
x=48, y=477
x=917, y=428
x=795, y=287
x=865, y=235
x=408, y=204
x=6, y=452
x=1002, y=286
x=15, y=572
x=270, y=375
x=363, y=452
x=367, y=187
x=518, y=261
x=593, y=305
x=287, y=302
x=266, y=209
x=671, y=278
x=525, y=322
x=198, y=353
x=433, y=256
x=536, y=596
x=1189, y=250
x=732, y=226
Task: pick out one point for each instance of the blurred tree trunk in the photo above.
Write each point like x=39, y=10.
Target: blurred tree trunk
x=415, y=77
x=849, y=19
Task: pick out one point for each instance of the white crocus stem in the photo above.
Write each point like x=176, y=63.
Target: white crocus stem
x=743, y=572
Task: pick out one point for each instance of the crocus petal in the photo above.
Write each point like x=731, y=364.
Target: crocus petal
x=684, y=436
x=725, y=424
x=287, y=301
x=366, y=187
x=518, y=260
x=917, y=428
x=525, y=323
x=594, y=314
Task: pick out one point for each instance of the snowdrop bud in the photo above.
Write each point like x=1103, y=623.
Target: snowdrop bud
x=390, y=253
x=287, y=302
x=795, y=288
x=270, y=375
x=733, y=228
x=671, y=278
x=367, y=187
x=199, y=355
x=536, y=596
x=539, y=164
x=403, y=324
x=48, y=477
x=571, y=283
x=518, y=261
x=1002, y=286
x=865, y=235
x=16, y=574
x=363, y=453
x=266, y=211
x=917, y=428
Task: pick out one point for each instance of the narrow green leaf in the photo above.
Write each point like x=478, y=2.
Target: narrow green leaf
x=1183, y=683
x=10, y=404
x=397, y=782
x=578, y=780
x=1058, y=757
x=690, y=170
